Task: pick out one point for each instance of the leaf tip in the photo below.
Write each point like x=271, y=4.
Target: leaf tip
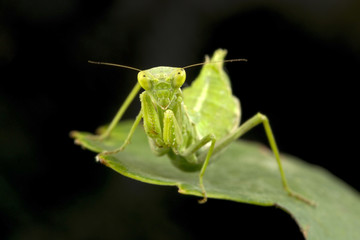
x=73, y=134
x=77, y=142
x=101, y=160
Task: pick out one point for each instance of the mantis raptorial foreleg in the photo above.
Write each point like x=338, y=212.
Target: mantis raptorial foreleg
x=152, y=123
x=172, y=134
x=245, y=127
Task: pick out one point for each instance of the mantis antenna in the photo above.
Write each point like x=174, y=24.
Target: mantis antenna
x=189, y=66
x=115, y=65
x=224, y=61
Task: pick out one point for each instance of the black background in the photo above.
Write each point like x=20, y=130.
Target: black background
x=302, y=73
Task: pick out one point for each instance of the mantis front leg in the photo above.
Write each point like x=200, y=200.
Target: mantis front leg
x=151, y=124
x=172, y=136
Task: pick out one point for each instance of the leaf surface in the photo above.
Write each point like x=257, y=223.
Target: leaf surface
x=246, y=172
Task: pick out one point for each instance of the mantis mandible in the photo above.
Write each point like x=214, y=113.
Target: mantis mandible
x=194, y=125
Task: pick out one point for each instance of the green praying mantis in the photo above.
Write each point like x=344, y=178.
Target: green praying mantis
x=192, y=126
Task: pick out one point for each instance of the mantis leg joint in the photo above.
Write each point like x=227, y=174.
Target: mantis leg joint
x=262, y=117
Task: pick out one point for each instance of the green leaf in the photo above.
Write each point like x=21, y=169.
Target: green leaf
x=246, y=172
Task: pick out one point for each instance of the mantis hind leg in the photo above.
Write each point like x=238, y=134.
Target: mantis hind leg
x=248, y=125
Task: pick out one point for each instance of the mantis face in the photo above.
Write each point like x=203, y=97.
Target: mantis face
x=162, y=83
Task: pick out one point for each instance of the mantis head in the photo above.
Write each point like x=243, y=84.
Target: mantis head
x=162, y=83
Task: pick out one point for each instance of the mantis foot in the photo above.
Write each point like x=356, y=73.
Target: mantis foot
x=301, y=198
x=204, y=200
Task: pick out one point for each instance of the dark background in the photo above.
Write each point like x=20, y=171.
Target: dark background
x=302, y=72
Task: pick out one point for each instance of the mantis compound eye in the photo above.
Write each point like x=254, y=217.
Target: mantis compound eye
x=144, y=80
x=179, y=77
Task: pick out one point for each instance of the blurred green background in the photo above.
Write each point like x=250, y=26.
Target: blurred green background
x=302, y=73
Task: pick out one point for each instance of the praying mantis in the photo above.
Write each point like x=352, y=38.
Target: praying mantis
x=192, y=126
